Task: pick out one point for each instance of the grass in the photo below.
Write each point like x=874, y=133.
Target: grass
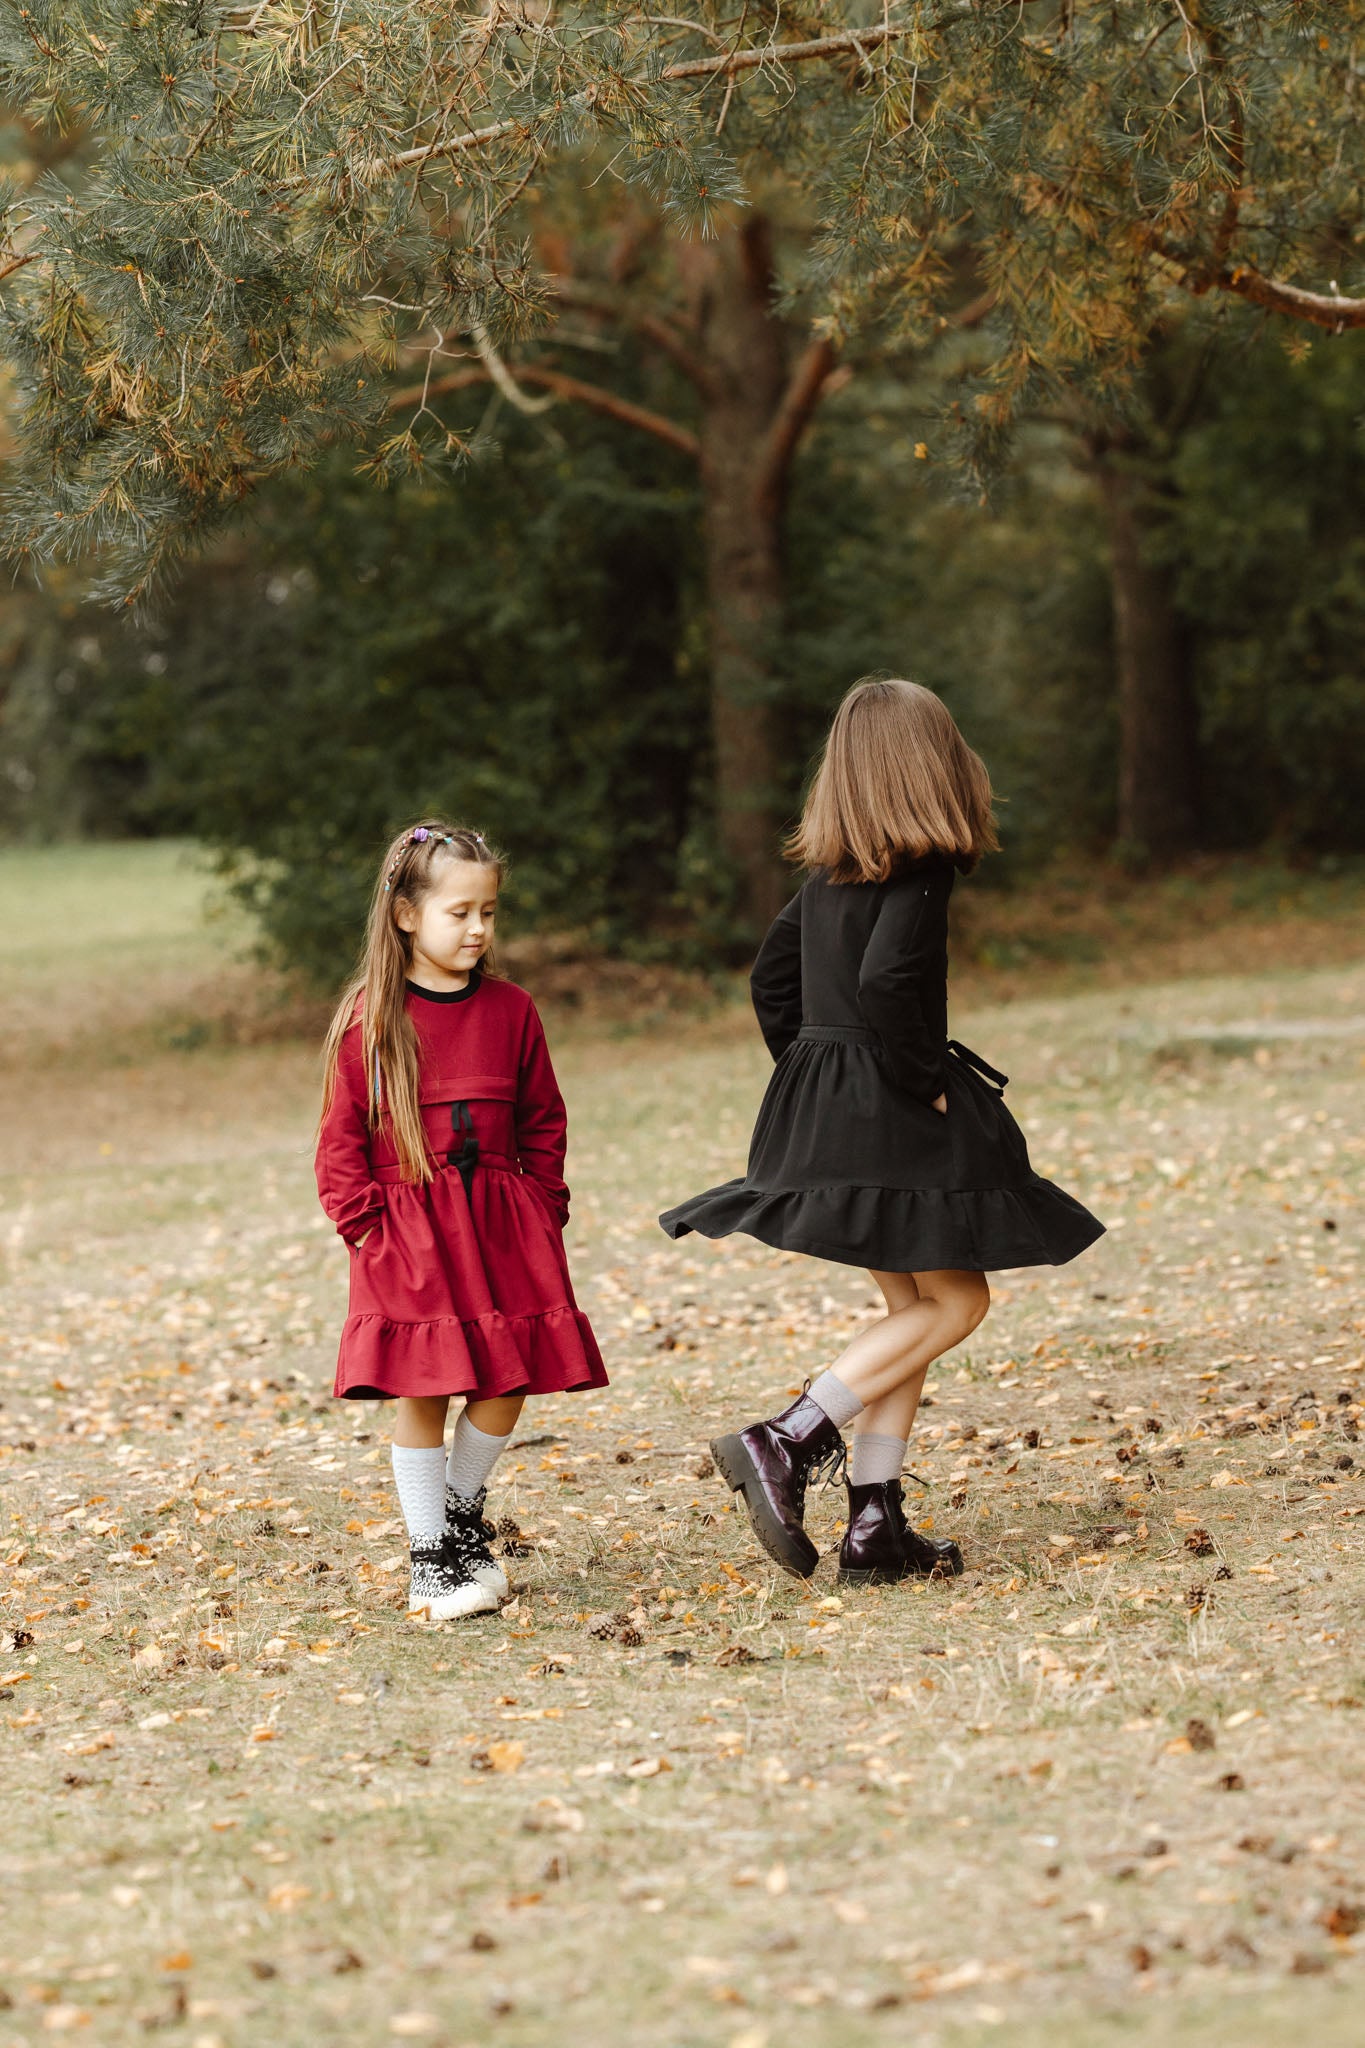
x=1104, y=1789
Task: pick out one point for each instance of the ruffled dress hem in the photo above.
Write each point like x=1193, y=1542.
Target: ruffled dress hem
x=900, y=1230
x=554, y=1352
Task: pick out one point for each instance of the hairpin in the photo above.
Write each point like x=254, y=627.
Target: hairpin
x=417, y=836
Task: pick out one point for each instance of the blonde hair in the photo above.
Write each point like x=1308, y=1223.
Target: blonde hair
x=896, y=782
x=378, y=989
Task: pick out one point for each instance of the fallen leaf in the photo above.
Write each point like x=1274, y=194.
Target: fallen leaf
x=505, y=1757
x=282, y=1898
x=551, y=1813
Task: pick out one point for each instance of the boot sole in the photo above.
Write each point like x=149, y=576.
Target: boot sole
x=943, y=1570
x=472, y=1599
x=736, y=1468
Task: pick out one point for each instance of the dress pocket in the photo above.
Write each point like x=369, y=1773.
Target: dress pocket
x=544, y=1202
x=988, y=1146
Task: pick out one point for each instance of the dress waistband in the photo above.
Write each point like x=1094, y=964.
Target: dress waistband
x=857, y=1034
x=499, y=1161
x=837, y=1034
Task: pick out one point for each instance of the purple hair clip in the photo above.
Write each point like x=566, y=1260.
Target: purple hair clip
x=416, y=837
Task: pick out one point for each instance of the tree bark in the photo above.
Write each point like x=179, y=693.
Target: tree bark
x=742, y=343
x=1158, y=813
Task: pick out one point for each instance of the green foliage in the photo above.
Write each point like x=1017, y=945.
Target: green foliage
x=280, y=203
x=509, y=652
x=1268, y=529
x=527, y=648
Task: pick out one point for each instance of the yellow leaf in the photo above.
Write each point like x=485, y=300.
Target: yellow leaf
x=282, y=1898
x=505, y=1756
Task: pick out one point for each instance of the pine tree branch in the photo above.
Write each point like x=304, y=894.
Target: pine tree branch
x=591, y=395
x=854, y=41
x=809, y=382
x=8, y=268
x=1318, y=309
x=651, y=327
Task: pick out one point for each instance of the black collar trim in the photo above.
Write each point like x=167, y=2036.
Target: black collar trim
x=447, y=995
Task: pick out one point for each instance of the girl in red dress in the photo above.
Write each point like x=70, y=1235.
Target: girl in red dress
x=440, y=1160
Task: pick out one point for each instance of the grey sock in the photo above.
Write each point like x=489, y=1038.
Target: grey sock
x=876, y=1458
x=839, y=1402
x=473, y=1454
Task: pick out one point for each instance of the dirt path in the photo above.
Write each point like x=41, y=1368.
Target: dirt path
x=1107, y=1783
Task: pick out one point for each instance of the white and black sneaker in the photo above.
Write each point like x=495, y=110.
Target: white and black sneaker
x=467, y=1535
x=441, y=1587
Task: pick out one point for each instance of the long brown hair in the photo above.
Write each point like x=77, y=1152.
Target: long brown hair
x=896, y=782
x=408, y=873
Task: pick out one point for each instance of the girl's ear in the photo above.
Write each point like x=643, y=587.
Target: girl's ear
x=404, y=914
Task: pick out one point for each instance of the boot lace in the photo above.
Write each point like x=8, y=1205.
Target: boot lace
x=829, y=1468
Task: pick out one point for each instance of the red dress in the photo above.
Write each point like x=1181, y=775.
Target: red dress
x=462, y=1286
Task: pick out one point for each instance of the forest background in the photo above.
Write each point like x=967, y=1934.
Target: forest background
x=1108, y=504
x=542, y=409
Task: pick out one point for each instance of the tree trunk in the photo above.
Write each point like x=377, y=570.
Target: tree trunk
x=1158, y=756
x=742, y=343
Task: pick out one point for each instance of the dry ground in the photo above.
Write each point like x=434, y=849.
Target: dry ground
x=1106, y=1787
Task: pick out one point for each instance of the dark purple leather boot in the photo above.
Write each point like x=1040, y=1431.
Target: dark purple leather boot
x=879, y=1545
x=771, y=1464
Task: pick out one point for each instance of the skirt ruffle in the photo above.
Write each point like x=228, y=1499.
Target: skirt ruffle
x=899, y=1230
x=465, y=1293
x=554, y=1353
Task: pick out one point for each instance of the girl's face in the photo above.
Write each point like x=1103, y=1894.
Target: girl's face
x=453, y=927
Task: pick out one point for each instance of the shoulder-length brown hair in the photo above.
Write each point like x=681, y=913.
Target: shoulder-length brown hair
x=896, y=782
x=377, y=991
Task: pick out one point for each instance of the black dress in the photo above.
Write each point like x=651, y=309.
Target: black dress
x=849, y=1160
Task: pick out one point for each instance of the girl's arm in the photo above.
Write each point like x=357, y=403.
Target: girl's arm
x=542, y=1125
x=347, y=1188
x=775, y=981
x=903, y=954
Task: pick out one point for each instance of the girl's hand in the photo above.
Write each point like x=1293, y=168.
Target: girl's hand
x=940, y=1103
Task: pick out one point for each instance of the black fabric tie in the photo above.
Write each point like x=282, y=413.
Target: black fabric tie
x=467, y=1158
x=975, y=1061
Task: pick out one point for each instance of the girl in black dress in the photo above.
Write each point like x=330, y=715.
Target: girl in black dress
x=881, y=1142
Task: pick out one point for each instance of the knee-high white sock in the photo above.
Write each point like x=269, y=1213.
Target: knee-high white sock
x=839, y=1402
x=876, y=1458
x=419, y=1476
x=473, y=1454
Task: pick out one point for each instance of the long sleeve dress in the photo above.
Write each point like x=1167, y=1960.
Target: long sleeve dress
x=849, y=1159
x=461, y=1285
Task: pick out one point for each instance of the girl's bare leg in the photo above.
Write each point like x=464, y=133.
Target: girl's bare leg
x=420, y=1424
x=927, y=1314
x=497, y=1417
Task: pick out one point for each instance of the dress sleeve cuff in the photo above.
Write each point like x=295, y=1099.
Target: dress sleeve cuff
x=360, y=1214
